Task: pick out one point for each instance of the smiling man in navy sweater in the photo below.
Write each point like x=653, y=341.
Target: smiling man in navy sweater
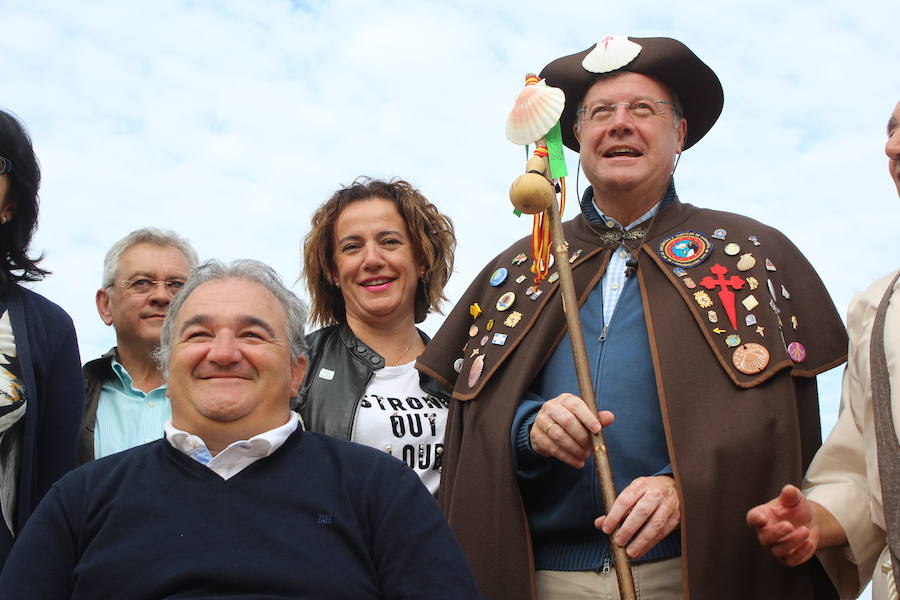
x=237, y=500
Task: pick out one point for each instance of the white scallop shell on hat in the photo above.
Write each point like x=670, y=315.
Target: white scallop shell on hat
x=536, y=111
x=611, y=53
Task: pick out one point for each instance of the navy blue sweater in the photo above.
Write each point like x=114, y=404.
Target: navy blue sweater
x=562, y=502
x=319, y=518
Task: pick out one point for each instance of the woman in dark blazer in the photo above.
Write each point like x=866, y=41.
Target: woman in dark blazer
x=40, y=370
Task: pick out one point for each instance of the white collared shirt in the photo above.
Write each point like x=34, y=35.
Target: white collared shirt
x=614, y=279
x=238, y=455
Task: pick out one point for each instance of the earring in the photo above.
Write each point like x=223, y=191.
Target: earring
x=4, y=220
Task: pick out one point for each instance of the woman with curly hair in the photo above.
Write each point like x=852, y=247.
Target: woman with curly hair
x=376, y=262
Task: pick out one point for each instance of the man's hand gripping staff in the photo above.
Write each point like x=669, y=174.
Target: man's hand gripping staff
x=535, y=119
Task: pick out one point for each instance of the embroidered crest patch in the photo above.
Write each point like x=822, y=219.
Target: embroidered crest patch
x=685, y=249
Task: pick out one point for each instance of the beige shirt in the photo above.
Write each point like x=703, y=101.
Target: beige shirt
x=843, y=477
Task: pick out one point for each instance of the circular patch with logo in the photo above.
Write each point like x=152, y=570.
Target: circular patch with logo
x=506, y=301
x=685, y=249
x=796, y=351
x=750, y=358
x=499, y=276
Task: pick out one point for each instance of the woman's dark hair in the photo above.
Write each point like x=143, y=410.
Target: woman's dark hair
x=24, y=180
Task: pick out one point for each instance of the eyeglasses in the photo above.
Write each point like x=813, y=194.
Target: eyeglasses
x=5, y=166
x=143, y=285
x=639, y=109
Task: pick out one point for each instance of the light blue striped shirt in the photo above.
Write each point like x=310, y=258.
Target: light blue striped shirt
x=126, y=416
x=614, y=279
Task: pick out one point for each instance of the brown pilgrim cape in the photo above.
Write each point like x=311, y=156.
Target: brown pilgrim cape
x=734, y=439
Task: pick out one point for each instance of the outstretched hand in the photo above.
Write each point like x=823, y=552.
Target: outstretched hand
x=786, y=527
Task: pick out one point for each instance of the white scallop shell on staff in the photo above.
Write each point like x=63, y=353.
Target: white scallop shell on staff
x=536, y=111
x=611, y=53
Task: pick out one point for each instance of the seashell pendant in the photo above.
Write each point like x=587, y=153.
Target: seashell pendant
x=536, y=111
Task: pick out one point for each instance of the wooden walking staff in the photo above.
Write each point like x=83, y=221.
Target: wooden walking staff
x=535, y=118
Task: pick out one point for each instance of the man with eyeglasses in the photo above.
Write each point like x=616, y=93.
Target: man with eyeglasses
x=236, y=501
x=704, y=333
x=125, y=392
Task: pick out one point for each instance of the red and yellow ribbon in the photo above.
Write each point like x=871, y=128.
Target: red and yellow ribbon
x=541, y=239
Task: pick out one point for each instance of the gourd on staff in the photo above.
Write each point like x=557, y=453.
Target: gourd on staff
x=534, y=119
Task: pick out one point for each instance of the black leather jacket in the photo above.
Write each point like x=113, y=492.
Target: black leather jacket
x=328, y=399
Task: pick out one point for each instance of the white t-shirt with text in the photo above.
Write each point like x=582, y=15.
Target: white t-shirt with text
x=396, y=416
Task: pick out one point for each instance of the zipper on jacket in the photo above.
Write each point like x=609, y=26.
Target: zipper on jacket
x=595, y=491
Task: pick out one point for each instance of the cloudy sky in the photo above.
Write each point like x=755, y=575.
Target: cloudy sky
x=231, y=121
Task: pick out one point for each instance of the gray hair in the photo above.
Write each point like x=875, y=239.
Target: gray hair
x=145, y=235
x=247, y=270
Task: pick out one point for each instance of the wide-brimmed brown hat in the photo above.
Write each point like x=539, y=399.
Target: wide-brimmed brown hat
x=664, y=59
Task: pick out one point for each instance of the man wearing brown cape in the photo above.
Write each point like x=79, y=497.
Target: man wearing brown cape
x=704, y=332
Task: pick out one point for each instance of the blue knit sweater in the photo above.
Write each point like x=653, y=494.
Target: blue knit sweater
x=562, y=502
x=319, y=518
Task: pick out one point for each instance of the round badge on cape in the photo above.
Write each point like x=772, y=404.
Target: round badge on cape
x=796, y=351
x=506, y=301
x=685, y=249
x=750, y=358
x=499, y=276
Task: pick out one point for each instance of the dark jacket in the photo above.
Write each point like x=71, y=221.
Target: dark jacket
x=329, y=405
x=51, y=369
x=734, y=439
x=95, y=373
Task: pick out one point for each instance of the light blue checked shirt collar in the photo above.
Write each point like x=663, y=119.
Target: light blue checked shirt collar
x=614, y=280
x=127, y=383
x=126, y=416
